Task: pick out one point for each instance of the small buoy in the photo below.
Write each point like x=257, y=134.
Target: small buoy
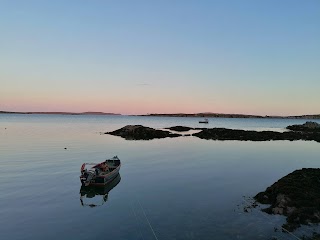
x=65, y=148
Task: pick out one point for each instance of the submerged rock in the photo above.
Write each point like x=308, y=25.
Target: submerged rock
x=306, y=127
x=139, y=132
x=296, y=196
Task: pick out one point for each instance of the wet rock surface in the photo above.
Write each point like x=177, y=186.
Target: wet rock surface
x=296, y=196
x=243, y=135
x=306, y=127
x=180, y=128
x=315, y=236
x=139, y=132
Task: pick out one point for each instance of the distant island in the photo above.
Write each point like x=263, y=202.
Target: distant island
x=223, y=115
x=210, y=115
x=61, y=113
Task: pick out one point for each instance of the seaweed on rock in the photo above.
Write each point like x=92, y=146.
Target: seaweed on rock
x=295, y=196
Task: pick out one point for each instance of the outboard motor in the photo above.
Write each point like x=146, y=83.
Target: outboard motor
x=88, y=173
x=91, y=174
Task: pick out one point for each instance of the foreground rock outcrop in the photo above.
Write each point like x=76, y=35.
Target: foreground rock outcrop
x=139, y=132
x=296, y=196
x=306, y=127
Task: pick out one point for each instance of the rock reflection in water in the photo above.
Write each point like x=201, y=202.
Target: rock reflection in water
x=94, y=193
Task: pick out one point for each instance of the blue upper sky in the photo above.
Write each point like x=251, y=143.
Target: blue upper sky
x=259, y=57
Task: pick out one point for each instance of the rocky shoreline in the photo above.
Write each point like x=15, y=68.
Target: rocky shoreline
x=307, y=132
x=295, y=196
x=306, y=127
x=243, y=135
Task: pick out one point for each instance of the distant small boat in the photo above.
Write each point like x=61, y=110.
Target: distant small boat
x=204, y=121
x=99, y=174
x=92, y=195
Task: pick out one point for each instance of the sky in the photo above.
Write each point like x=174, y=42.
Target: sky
x=168, y=56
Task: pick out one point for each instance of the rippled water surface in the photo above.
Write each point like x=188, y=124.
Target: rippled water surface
x=180, y=188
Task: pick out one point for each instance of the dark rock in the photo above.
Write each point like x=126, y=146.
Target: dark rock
x=315, y=236
x=139, y=132
x=180, y=128
x=243, y=135
x=306, y=127
x=296, y=196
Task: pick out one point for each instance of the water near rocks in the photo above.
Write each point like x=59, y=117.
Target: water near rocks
x=185, y=188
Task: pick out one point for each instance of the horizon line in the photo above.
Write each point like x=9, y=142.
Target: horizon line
x=151, y=114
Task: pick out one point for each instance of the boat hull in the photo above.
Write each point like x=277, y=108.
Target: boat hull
x=93, y=191
x=104, y=179
x=100, y=174
x=90, y=194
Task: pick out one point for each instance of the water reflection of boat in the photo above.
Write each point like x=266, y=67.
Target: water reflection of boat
x=96, y=174
x=95, y=192
x=204, y=121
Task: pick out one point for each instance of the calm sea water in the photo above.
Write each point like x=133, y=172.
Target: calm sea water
x=181, y=188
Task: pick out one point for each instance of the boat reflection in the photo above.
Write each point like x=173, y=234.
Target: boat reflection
x=94, y=196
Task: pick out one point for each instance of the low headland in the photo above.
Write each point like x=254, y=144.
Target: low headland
x=225, y=115
x=61, y=113
x=310, y=131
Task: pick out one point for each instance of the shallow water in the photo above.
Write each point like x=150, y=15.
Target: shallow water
x=180, y=188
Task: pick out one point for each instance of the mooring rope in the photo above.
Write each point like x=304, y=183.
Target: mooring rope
x=139, y=227
x=144, y=213
x=155, y=236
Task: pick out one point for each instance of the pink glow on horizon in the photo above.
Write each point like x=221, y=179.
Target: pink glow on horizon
x=148, y=101
x=135, y=107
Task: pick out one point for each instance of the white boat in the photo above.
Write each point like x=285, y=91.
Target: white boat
x=99, y=174
x=204, y=121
